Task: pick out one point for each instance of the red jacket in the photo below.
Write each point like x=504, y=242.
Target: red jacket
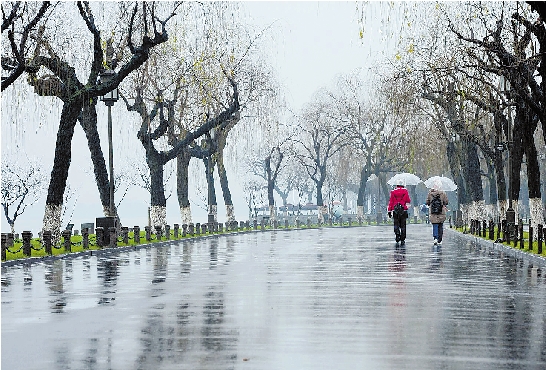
x=399, y=195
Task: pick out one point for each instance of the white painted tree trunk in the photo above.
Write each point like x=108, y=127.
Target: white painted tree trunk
x=272, y=215
x=185, y=214
x=158, y=216
x=52, y=221
x=515, y=207
x=536, y=210
x=360, y=213
x=502, y=206
x=230, y=213
x=322, y=210
x=465, y=212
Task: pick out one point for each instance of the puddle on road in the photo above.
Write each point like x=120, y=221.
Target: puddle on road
x=292, y=300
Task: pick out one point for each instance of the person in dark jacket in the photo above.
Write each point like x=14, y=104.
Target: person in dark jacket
x=437, y=219
x=399, y=195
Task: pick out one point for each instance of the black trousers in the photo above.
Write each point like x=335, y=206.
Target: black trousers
x=400, y=227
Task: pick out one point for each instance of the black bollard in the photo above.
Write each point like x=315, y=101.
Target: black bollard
x=198, y=228
x=298, y=224
x=204, y=228
x=184, y=229
x=99, y=233
x=113, y=236
x=136, y=234
x=308, y=222
x=148, y=230
x=521, y=238
x=27, y=235
x=220, y=227
x=191, y=230
x=46, y=235
x=484, y=228
x=85, y=238
x=491, y=230
x=66, y=237
x=4, y=245
x=540, y=237
x=168, y=232
x=255, y=224
x=158, y=232
x=176, y=227
x=286, y=223
x=125, y=234
x=530, y=238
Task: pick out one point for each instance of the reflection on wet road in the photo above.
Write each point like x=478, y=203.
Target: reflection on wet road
x=310, y=299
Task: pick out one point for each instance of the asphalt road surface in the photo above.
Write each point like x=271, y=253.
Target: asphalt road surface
x=332, y=298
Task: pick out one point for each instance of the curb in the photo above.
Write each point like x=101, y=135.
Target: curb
x=532, y=259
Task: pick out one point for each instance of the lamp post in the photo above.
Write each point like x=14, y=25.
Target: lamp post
x=109, y=99
x=510, y=213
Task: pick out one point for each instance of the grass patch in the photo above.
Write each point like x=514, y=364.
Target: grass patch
x=533, y=249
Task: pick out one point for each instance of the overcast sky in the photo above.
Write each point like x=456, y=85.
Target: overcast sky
x=314, y=41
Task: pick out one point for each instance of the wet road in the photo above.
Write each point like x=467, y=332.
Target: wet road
x=308, y=299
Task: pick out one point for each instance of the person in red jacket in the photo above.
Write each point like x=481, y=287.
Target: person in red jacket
x=399, y=195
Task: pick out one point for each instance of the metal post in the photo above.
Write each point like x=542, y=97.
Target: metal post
x=111, y=160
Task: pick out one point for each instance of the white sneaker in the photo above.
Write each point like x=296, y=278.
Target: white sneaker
x=439, y=244
x=435, y=241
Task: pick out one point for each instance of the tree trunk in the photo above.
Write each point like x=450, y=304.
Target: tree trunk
x=158, y=203
x=61, y=164
x=536, y=207
x=473, y=180
x=364, y=175
x=212, y=205
x=88, y=121
x=230, y=209
x=454, y=159
x=182, y=185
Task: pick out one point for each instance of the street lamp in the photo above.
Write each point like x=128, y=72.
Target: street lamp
x=510, y=213
x=109, y=99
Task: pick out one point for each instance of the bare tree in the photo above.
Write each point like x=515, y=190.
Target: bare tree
x=19, y=20
x=22, y=186
x=322, y=136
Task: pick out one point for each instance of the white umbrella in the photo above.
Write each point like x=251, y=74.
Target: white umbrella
x=407, y=179
x=441, y=183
